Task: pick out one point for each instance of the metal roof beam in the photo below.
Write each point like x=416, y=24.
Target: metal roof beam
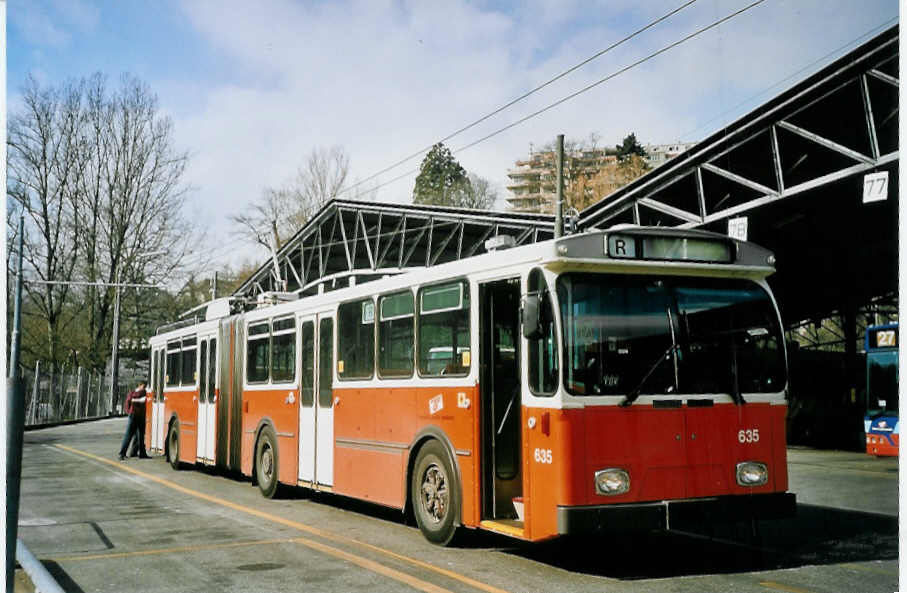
x=839, y=148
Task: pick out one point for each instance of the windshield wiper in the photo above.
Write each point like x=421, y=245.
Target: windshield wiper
x=631, y=397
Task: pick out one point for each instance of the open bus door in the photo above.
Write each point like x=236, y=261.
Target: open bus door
x=502, y=478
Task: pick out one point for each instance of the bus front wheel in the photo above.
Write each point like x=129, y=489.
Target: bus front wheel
x=435, y=500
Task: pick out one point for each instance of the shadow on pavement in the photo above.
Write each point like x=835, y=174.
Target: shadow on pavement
x=817, y=535
x=61, y=576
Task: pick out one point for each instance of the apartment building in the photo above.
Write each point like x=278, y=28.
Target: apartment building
x=532, y=181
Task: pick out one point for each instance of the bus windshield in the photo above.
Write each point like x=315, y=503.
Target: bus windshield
x=882, y=382
x=668, y=335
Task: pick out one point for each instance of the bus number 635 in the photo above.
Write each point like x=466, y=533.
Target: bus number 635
x=748, y=436
x=544, y=456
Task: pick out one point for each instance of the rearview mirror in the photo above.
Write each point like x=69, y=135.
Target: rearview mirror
x=531, y=317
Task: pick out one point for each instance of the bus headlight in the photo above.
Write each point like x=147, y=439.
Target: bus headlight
x=612, y=481
x=752, y=473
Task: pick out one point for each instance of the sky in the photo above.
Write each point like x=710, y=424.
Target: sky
x=254, y=87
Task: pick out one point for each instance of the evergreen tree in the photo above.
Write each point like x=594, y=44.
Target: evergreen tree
x=630, y=146
x=442, y=181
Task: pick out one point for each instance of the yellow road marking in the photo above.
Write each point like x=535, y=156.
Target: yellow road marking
x=872, y=569
x=290, y=523
x=286, y=540
x=780, y=587
x=373, y=566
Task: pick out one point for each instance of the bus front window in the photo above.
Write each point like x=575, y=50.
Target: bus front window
x=669, y=335
x=882, y=382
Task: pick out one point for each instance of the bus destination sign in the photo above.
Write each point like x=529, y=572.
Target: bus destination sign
x=666, y=248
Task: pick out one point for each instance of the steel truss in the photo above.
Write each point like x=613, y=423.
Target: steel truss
x=839, y=123
x=351, y=242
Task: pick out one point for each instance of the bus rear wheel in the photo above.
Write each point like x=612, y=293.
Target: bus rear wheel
x=173, y=446
x=266, y=463
x=436, y=502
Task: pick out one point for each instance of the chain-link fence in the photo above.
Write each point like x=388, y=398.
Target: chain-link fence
x=74, y=394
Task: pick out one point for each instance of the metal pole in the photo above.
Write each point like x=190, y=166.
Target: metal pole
x=559, y=196
x=15, y=420
x=115, y=354
x=78, y=410
x=214, y=286
x=36, y=391
x=17, y=314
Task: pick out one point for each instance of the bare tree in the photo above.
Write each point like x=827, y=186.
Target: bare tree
x=142, y=196
x=44, y=163
x=101, y=183
x=478, y=194
x=280, y=212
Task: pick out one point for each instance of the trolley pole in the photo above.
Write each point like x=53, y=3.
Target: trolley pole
x=15, y=419
x=559, y=196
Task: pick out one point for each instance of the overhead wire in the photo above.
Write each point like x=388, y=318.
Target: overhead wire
x=590, y=86
x=521, y=97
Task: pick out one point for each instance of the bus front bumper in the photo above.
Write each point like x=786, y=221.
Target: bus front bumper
x=666, y=514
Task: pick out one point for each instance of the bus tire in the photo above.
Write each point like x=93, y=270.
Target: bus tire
x=435, y=499
x=266, y=465
x=173, y=445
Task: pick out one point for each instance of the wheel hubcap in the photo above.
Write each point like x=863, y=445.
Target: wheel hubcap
x=267, y=462
x=435, y=496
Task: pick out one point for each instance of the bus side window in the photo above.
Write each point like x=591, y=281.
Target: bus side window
x=189, y=363
x=396, y=332
x=258, y=352
x=356, y=339
x=444, y=330
x=174, y=364
x=543, y=351
x=283, y=350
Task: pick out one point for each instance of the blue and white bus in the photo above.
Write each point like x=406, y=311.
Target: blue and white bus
x=881, y=421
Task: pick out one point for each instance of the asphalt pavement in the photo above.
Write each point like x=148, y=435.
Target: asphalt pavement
x=108, y=526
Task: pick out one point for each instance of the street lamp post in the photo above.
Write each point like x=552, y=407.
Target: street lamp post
x=115, y=348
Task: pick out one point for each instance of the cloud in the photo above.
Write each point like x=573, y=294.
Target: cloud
x=382, y=79
x=52, y=23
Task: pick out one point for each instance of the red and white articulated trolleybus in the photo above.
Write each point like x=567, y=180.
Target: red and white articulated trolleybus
x=600, y=381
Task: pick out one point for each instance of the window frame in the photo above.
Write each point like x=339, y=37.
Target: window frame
x=283, y=332
x=554, y=312
x=194, y=346
x=260, y=336
x=465, y=290
x=338, y=337
x=173, y=347
x=380, y=319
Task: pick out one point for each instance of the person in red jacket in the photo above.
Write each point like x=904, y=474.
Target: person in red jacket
x=135, y=408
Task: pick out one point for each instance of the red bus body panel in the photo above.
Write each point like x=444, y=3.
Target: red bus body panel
x=184, y=406
x=374, y=430
x=280, y=408
x=878, y=444
x=670, y=453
